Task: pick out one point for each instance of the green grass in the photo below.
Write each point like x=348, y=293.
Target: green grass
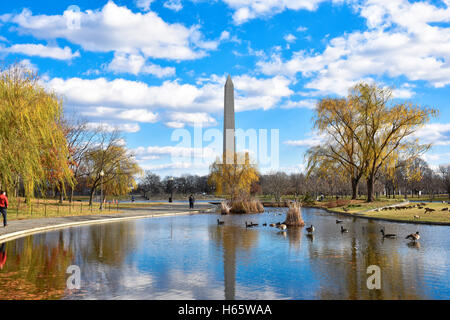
x=408, y=214
x=400, y=214
x=46, y=208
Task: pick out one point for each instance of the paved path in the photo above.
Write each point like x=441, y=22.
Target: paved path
x=20, y=228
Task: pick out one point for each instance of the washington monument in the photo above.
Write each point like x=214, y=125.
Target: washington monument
x=228, y=122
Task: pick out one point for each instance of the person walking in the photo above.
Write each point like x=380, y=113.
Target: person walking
x=191, y=202
x=3, y=206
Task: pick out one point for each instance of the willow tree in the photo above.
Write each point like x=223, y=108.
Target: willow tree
x=33, y=148
x=118, y=166
x=388, y=129
x=340, y=124
x=234, y=179
x=366, y=134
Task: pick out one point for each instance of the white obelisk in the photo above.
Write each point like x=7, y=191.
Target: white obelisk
x=228, y=122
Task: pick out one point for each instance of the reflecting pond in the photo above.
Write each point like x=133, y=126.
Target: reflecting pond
x=191, y=257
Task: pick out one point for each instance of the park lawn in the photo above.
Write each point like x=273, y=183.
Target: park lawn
x=408, y=214
x=46, y=208
x=356, y=206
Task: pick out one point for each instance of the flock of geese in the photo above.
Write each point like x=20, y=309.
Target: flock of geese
x=413, y=236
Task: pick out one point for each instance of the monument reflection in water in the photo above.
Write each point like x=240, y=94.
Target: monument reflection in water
x=191, y=257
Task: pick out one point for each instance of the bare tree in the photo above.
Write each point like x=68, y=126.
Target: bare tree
x=80, y=139
x=276, y=183
x=445, y=172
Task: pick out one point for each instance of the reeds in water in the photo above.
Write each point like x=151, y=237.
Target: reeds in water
x=247, y=206
x=224, y=208
x=294, y=215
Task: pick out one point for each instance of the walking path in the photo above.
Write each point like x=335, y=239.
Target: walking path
x=20, y=228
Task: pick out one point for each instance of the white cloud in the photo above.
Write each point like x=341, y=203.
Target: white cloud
x=42, y=51
x=25, y=63
x=174, y=5
x=138, y=115
x=118, y=29
x=290, y=38
x=179, y=119
x=179, y=167
x=175, y=151
x=124, y=127
x=401, y=41
x=250, y=9
x=301, y=29
x=207, y=96
x=309, y=142
x=144, y=4
x=136, y=64
x=436, y=133
x=308, y=104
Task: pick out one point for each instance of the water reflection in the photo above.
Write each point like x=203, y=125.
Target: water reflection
x=191, y=257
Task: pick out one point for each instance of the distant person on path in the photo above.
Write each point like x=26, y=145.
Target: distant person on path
x=3, y=206
x=191, y=202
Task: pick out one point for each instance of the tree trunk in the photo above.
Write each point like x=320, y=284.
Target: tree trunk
x=354, y=188
x=91, y=196
x=370, y=189
x=71, y=195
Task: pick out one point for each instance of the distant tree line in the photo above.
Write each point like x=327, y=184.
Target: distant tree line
x=426, y=183
x=152, y=185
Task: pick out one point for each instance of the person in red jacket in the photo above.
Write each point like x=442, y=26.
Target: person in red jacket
x=3, y=206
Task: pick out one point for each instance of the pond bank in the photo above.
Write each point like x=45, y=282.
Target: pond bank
x=20, y=228
x=365, y=216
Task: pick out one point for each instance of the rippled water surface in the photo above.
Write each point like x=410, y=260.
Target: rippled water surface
x=191, y=257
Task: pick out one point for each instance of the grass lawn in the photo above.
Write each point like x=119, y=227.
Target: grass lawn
x=408, y=214
x=403, y=214
x=46, y=208
x=356, y=206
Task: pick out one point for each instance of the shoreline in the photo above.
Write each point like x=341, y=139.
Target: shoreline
x=23, y=228
x=284, y=204
x=358, y=215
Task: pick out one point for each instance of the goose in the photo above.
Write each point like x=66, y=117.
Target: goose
x=248, y=225
x=310, y=229
x=265, y=224
x=220, y=222
x=343, y=230
x=339, y=221
x=387, y=235
x=272, y=224
x=413, y=236
x=253, y=224
x=282, y=227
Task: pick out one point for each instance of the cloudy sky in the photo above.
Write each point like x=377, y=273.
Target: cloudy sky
x=156, y=68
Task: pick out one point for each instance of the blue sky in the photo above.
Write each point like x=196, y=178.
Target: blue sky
x=155, y=68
